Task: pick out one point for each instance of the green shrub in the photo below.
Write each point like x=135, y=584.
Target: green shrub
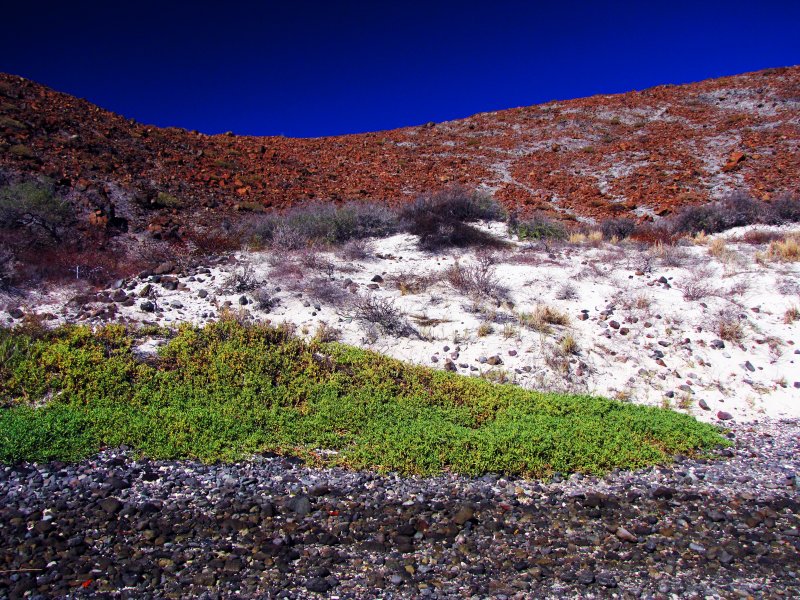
x=537, y=228
x=35, y=206
x=228, y=391
x=165, y=200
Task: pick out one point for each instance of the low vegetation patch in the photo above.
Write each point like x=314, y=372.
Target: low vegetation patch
x=537, y=228
x=542, y=318
x=228, y=391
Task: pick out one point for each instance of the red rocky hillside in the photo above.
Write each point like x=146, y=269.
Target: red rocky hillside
x=640, y=154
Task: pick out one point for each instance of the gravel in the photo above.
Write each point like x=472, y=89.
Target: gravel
x=122, y=526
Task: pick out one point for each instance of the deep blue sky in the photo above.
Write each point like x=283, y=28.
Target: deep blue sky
x=302, y=68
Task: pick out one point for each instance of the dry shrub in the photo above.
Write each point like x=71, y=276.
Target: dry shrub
x=264, y=300
x=728, y=326
x=758, y=237
x=478, y=279
x=326, y=333
x=324, y=291
x=791, y=315
x=382, y=313
x=567, y=291
x=594, y=238
x=697, y=286
x=576, y=238
x=358, y=249
x=637, y=302
x=717, y=247
x=408, y=282
x=670, y=255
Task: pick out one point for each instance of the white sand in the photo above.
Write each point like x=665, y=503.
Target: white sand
x=733, y=287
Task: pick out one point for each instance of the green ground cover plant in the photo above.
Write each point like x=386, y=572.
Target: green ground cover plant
x=228, y=391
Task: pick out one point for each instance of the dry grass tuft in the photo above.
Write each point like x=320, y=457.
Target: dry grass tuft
x=728, y=327
x=542, y=318
x=569, y=345
x=786, y=250
x=485, y=329
x=791, y=315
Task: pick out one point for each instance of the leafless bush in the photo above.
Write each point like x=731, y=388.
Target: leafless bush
x=284, y=237
x=325, y=291
x=311, y=259
x=698, y=285
x=285, y=268
x=381, y=312
x=326, y=333
x=358, y=249
x=728, y=326
x=478, y=279
x=264, y=300
x=241, y=280
x=567, y=291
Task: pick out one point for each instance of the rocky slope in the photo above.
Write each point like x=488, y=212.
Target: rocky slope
x=639, y=153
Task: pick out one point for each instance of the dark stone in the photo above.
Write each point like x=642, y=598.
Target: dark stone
x=663, y=493
x=147, y=306
x=319, y=585
x=586, y=577
x=111, y=505
x=464, y=514
x=703, y=404
x=300, y=505
x=724, y=416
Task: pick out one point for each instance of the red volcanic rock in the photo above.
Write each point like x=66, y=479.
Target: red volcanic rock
x=733, y=161
x=640, y=154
